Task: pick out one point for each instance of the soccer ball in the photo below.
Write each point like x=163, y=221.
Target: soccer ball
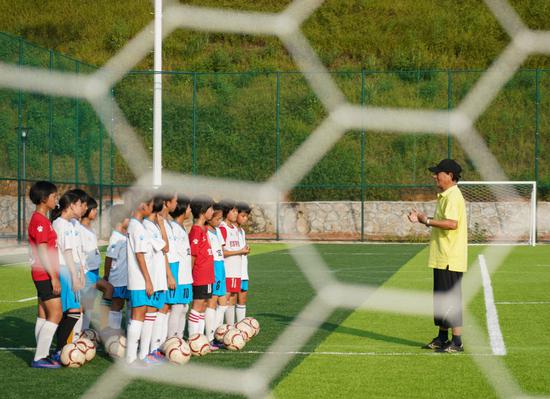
x=246, y=330
x=221, y=331
x=87, y=347
x=177, y=352
x=170, y=341
x=199, y=345
x=234, y=340
x=92, y=335
x=116, y=346
x=253, y=323
x=71, y=356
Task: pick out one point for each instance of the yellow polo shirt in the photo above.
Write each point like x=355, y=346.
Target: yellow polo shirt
x=450, y=247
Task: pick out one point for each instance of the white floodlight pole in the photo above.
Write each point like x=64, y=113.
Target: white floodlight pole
x=157, y=98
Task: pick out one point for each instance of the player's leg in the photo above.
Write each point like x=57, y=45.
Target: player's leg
x=201, y=294
x=50, y=311
x=106, y=299
x=135, y=326
x=242, y=297
x=159, y=328
x=210, y=320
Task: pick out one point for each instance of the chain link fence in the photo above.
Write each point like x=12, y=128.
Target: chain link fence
x=244, y=125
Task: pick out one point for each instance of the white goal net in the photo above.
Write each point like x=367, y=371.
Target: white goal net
x=501, y=211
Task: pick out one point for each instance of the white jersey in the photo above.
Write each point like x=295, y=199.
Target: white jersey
x=118, y=276
x=92, y=257
x=172, y=255
x=139, y=241
x=65, y=238
x=159, y=261
x=216, y=243
x=183, y=254
x=78, y=252
x=233, y=264
x=242, y=239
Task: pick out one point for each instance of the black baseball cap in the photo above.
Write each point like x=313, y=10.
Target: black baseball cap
x=447, y=165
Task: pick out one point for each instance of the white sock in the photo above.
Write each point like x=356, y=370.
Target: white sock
x=183, y=319
x=174, y=321
x=220, y=313
x=128, y=313
x=194, y=322
x=210, y=323
x=44, y=341
x=77, y=329
x=38, y=326
x=146, y=332
x=157, y=338
x=202, y=323
x=165, y=327
x=115, y=320
x=230, y=315
x=86, y=320
x=241, y=312
x=132, y=341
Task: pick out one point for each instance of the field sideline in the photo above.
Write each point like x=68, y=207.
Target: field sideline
x=354, y=354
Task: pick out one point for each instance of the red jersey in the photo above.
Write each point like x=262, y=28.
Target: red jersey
x=41, y=231
x=203, y=269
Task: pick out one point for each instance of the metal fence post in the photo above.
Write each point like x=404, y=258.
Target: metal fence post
x=50, y=126
x=194, y=147
x=19, y=126
x=77, y=131
x=537, y=124
x=363, y=139
x=277, y=145
x=111, y=155
x=449, y=107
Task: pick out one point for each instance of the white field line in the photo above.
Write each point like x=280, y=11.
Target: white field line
x=522, y=303
x=299, y=353
x=19, y=300
x=493, y=326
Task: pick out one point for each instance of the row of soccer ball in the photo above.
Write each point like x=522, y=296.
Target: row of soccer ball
x=176, y=350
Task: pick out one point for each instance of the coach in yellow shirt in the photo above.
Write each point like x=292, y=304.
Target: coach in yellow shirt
x=448, y=254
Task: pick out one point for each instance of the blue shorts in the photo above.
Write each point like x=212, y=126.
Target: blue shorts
x=139, y=298
x=174, y=296
x=121, y=292
x=69, y=299
x=244, y=285
x=92, y=276
x=187, y=293
x=218, y=288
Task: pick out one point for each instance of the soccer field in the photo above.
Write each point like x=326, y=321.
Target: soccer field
x=354, y=354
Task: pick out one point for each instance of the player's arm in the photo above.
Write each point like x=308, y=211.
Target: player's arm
x=420, y=217
x=140, y=257
x=160, y=221
x=69, y=261
x=42, y=251
x=227, y=253
x=169, y=276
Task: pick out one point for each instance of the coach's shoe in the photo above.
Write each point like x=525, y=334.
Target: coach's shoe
x=451, y=347
x=45, y=363
x=436, y=344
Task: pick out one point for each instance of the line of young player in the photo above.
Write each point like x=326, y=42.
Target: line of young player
x=151, y=264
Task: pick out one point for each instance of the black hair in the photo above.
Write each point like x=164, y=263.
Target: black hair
x=64, y=202
x=226, y=205
x=92, y=204
x=158, y=203
x=243, y=207
x=41, y=190
x=82, y=195
x=200, y=205
x=182, y=204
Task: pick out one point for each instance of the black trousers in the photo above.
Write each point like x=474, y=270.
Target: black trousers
x=447, y=298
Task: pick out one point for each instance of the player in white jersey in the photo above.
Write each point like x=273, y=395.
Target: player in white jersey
x=116, y=265
x=141, y=272
x=242, y=219
x=71, y=280
x=92, y=261
x=184, y=290
x=156, y=227
x=217, y=305
x=232, y=253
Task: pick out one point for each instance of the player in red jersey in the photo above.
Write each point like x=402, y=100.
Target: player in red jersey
x=202, y=261
x=45, y=272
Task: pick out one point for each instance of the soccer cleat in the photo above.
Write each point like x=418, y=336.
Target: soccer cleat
x=55, y=357
x=45, y=363
x=153, y=359
x=214, y=346
x=158, y=355
x=435, y=344
x=450, y=347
